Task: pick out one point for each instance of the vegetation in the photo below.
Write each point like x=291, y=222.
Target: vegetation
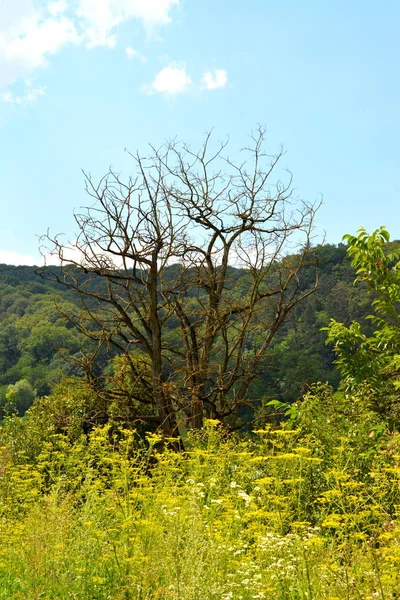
x=373, y=360
x=197, y=213
x=36, y=335
x=173, y=425
x=201, y=274
x=305, y=510
x=304, y=506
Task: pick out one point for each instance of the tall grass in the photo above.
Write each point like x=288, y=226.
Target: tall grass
x=281, y=514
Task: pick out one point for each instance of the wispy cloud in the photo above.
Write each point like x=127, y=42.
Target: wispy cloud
x=29, y=35
x=134, y=54
x=26, y=43
x=99, y=18
x=171, y=80
x=30, y=95
x=216, y=79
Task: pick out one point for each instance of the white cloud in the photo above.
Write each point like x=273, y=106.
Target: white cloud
x=216, y=79
x=58, y=7
x=71, y=253
x=100, y=17
x=174, y=79
x=14, y=258
x=33, y=30
x=30, y=95
x=131, y=53
x=28, y=38
x=40, y=39
x=171, y=80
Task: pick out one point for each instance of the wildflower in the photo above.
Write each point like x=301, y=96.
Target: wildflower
x=244, y=496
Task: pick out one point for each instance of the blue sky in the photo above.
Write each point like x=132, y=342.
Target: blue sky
x=80, y=80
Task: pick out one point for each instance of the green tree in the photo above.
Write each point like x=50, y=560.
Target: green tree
x=19, y=397
x=373, y=360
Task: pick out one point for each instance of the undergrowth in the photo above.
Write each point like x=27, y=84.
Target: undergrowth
x=306, y=510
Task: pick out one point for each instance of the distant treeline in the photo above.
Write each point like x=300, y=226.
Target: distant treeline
x=35, y=337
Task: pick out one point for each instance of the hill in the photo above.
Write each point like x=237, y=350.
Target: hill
x=35, y=337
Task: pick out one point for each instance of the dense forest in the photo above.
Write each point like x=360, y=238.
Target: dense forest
x=36, y=336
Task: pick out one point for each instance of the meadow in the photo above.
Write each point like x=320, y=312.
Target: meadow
x=305, y=509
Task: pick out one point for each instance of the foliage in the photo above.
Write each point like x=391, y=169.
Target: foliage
x=19, y=397
x=33, y=335
x=305, y=510
x=125, y=389
x=371, y=361
x=31, y=329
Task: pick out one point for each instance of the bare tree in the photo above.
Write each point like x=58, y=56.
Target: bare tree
x=198, y=245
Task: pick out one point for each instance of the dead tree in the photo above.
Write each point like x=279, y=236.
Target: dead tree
x=195, y=262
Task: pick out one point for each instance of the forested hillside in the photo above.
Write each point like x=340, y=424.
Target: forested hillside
x=36, y=339
x=33, y=334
